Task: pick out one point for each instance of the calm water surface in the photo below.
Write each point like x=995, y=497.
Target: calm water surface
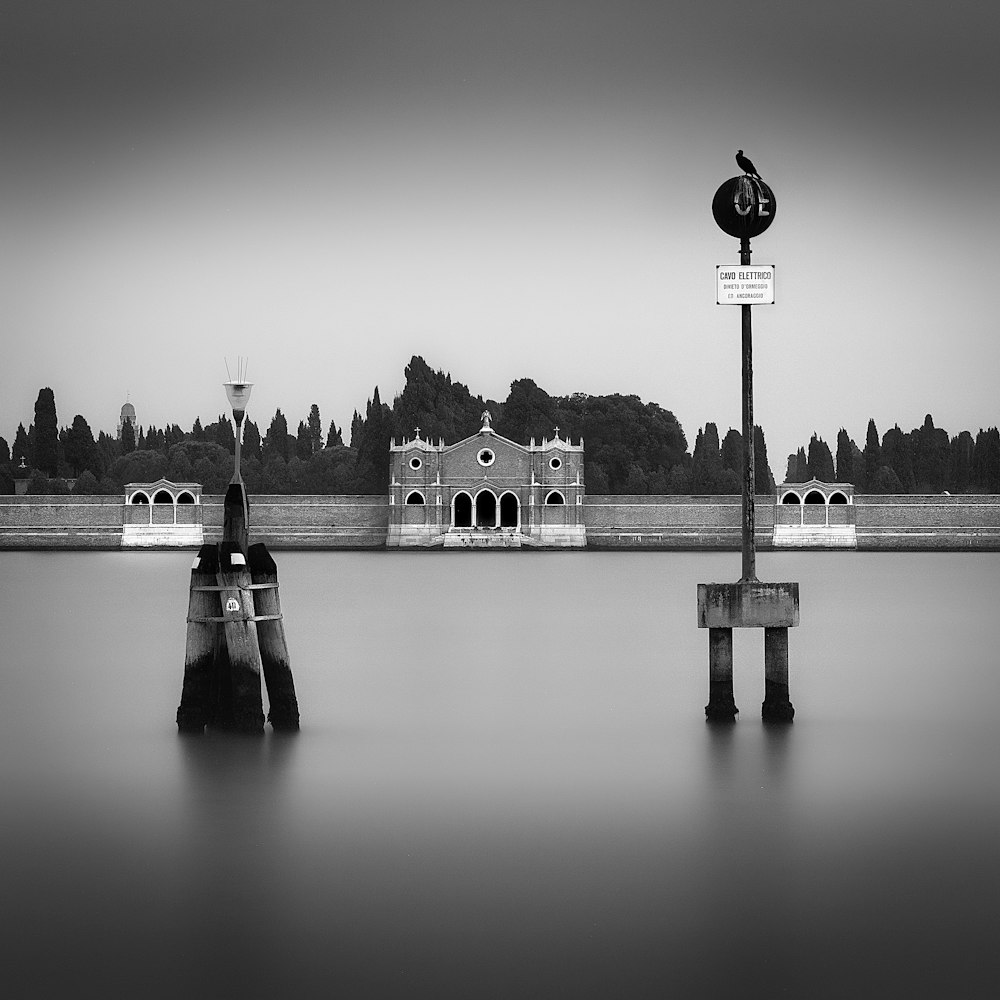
x=504, y=785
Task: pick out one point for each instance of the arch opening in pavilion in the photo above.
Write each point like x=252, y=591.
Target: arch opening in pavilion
x=486, y=509
x=509, y=510
x=462, y=514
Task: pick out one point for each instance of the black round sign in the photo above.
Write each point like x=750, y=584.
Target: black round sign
x=743, y=206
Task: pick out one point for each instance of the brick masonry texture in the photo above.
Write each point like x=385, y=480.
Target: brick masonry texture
x=614, y=522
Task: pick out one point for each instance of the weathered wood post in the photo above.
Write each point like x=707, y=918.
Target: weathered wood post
x=235, y=630
x=240, y=629
x=283, y=713
x=744, y=207
x=236, y=517
x=203, y=635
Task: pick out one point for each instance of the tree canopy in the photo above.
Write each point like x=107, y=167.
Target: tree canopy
x=631, y=446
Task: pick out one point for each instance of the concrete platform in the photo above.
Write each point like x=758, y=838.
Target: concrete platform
x=748, y=605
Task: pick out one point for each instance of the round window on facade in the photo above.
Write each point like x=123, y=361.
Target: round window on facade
x=486, y=457
x=415, y=463
x=555, y=463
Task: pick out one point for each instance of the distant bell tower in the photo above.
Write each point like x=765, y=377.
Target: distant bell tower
x=127, y=414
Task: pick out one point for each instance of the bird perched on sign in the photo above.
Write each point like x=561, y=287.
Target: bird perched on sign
x=746, y=165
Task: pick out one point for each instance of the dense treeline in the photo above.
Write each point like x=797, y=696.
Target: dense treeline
x=632, y=447
x=926, y=460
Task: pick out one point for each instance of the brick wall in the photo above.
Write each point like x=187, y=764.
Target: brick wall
x=890, y=522
x=673, y=522
x=928, y=522
x=289, y=522
x=71, y=522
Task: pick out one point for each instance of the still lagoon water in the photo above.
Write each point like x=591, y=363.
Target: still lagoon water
x=504, y=785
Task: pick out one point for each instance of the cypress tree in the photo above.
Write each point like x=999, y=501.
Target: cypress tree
x=333, y=437
x=4, y=452
x=251, y=440
x=276, y=439
x=931, y=457
x=81, y=449
x=897, y=454
x=303, y=442
x=128, y=438
x=801, y=467
x=706, y=462
x=820, y=461
x=732, y=452
x=763, y=479
x=357, y=430
x=873, y=455
x=46, y=433
x=315, y=427
x=845, y=458
x=986, y=460
x=960, y=470
x=21, y=448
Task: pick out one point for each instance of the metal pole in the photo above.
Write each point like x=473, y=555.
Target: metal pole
x=749, y=519
x=238, y=416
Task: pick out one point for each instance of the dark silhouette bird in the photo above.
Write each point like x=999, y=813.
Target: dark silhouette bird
x=746, y=165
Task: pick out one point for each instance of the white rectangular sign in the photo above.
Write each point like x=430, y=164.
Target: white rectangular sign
x=744, y=284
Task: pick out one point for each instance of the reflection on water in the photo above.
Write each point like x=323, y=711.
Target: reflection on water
x=504, y=785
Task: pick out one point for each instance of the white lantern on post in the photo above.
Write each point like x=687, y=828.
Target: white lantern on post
x=239, y=396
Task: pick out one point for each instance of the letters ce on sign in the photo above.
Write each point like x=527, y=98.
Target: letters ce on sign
x=744, y=284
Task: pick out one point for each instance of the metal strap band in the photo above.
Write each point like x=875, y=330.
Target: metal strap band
x=241, y=618
x=249, y=586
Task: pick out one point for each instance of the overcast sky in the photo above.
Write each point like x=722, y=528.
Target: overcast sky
x=509, y=189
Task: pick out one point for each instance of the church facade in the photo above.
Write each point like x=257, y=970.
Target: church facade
x=486, y=492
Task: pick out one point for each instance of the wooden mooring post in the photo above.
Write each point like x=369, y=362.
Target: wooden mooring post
x=283, y=711
x=203, y=634
x=235, y=635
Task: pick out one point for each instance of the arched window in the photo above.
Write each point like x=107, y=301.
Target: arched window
x=486, y=510
x=416, y=497
x=163, y=496
x=463, y=511
x=554, y=499
x=185, y=498
x=838, y=497
x=139, y=497
x=814, y=496
x=791, y=498
x=508, y=510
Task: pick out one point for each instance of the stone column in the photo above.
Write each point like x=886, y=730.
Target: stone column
x=721, y=705
x=776, y=706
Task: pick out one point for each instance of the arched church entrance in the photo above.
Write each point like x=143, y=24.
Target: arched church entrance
x=463, y=510
x=486, y=510
x=508, y=510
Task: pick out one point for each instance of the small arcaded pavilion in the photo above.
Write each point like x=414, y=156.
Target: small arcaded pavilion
x=486, y=491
